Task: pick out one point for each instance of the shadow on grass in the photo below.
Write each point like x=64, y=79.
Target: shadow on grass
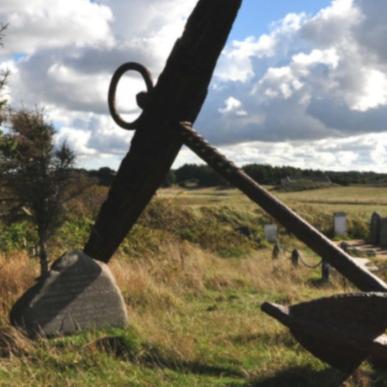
x=132, y=349
x=306, y=377
x=319, y=283
x=151, y=356
x=301, y=376
x=282, y=338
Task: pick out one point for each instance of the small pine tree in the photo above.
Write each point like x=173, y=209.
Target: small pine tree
x=36, y=174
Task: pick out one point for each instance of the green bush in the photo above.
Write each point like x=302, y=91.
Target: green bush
x=74, y=233
x=17, y=236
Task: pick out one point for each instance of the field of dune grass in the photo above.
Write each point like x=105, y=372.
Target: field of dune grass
x=193, y=286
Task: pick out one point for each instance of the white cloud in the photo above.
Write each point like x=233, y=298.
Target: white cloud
x=284, y=97
x=67, y=52
x=279, y=82
x=316, y=80
x=38, y=24
x=232, y=106
x=236, y=64
x=363, y=152
x=327, y=57
x=374, y=91
x=237, y=61
x=333, y=25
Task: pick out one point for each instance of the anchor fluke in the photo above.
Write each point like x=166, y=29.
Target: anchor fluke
x=342, y=330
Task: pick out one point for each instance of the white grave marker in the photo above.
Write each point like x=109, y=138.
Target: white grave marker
x=340, y=223
x=270, y=232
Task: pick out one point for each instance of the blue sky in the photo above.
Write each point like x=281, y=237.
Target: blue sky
x=256, y=16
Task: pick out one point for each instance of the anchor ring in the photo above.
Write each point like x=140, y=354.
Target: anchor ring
x=141, y=97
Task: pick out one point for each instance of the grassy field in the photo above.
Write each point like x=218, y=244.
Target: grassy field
x=353, y=199
x=317, y=206
x=193, y=286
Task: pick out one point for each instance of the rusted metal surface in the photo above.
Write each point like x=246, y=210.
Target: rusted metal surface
x=341, y=330
x=178, y=96
x=141, y=97
x=315, y=240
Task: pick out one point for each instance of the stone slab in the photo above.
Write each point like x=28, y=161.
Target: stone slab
x=78, y=293
x=270, y=231
x=340, y=224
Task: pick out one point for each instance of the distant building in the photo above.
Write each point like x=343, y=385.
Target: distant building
x=190, y=183
x=304, y=183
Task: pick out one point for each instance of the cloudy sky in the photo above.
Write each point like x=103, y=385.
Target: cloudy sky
x=300, y=82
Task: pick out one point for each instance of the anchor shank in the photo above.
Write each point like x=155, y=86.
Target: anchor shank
x=178, y=95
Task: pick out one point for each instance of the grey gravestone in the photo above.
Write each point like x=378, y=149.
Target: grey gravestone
x=383, y=232
x=276, y=252
x=374, y=235
x=340, y=223
x=325, y=270
x=270, y=232
x=295, y=257
x=78, y=293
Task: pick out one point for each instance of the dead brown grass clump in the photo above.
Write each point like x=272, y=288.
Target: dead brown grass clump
x=17, y=273
x=14, y=343
x=160, y=281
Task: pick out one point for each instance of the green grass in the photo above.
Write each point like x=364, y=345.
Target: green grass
x=353, y=199
x=316, y=206
x=193, y=286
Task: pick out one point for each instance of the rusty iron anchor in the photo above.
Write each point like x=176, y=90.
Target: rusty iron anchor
x=341, y=330
x=169, y=108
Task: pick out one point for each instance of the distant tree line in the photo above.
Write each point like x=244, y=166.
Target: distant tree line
x=267, y=174
x=192, y=175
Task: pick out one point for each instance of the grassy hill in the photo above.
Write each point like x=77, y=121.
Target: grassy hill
x=193, y=273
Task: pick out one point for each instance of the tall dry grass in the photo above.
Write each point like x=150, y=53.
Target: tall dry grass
x=160, y=290
x=186, y=303
x=17, y=273
x=181, y=269
x=162, y=282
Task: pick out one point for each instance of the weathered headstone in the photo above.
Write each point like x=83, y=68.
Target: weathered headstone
x=374, y=235
x=340, y=224
x=325, y=270
x=270, y=232
x=295, y=257
x=78, y=293
x=383, y=232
